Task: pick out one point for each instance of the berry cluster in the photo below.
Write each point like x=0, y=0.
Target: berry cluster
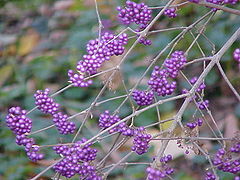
x=143, y=98
x=63, y=125
x=192, y=125
x=17, y=121
x=76, y=160
x=228, y=160
x=236, y=55
x=45, y=103
x=210, y=176
x=171, y=12
x=159, y=82
x=162, y=172
x=139, y=14
x=175, y=63
x=30, y=147
x=221, y=2
x=194, y=1
x=78, y=80
x=135, y=13
x=20, y=124
x=141, y=141
x=106, y=120
x=98, y=51
x=144, y=41
x=141, y=138
x=230, y=2
x=217, y=2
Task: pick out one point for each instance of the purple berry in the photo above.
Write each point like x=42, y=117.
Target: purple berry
x=230, y=2
x=209, y=176
x=194, y=1
x=203, y=104
x=236, y=55
x=199, y=122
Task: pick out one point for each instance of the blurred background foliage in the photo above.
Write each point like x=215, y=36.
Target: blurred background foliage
x=41, y=39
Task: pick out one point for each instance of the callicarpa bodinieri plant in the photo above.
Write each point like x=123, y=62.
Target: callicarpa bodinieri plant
x=90, y=157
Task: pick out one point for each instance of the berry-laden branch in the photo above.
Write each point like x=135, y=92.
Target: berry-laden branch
x=80, y=156
x=216, y=6
x=216, y=58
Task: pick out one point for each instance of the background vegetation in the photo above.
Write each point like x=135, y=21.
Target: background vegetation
x=41, y=39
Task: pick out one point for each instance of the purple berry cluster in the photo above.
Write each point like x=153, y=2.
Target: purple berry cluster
x=143, y=98
x=106, y=120
x=217, y=2
x=30, y=147
x=175, y=63
x=76, y=160
x=236, y=55
x=171, y=12
x=20, y=125
x=161, y=172
x=98, y=51
x=159, y=82
x=141, y=138
x=78, y=79
x=139, y=14
x=63, y=125
x=135, y=13
x=230, y=2
x=210, y=176
x=141, y=141
x=221, y=2
x=228, y=160
x=145, y=41
x=194, y=1
x=45, y=103
x=192, y=125
x=18, y=122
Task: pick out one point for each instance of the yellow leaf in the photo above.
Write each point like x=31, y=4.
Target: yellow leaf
x=5, y=72
x=28, y=42
x=167, y=124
